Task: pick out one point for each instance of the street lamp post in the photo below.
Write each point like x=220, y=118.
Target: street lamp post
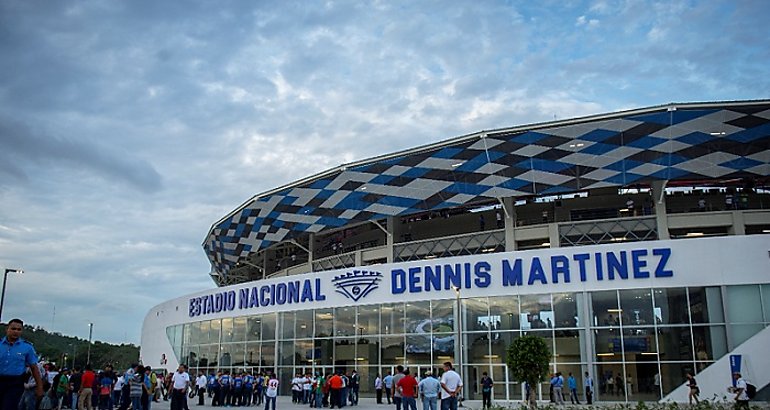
x=458, y=325
x=5, y=280
x=90, y=334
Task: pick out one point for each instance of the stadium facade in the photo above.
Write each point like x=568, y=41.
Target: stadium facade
x=636, y=243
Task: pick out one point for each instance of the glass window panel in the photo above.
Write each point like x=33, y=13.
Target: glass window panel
x=205, y=328
x=287, y=324
x=254, y=328
x=636, y=307
x=267, y=354
x=239, y=329
x=303, y=353
x=640, y=381
x=392, y=319
x=706, y=305
x=227, y=330
x=743, y=304
x=476, y=315
x=252, y=353
x=268, y=326
x=576, y=371
x=607, y=345
x=195, y=333
x=418, y=317
x=443, y=315
x=418, y=349
x=205, y=356
x=226, y=355
x=213, y=355
x=369, y=320
x=545, y=334
x=507, y=308
x=392, y=351
x=710, y=342
x=192, y=352
x=345, y=321
x=674, y=343
x=238, y=352
x=604, y=306
x=443, y=348
x=187, y=333
x=368, y=351
x=672, y=375
x=477, y=347
x=215, y=327
x=498, y=378
x=605, y=381
x=499, y=345
x=766, y=301
x=569, y=345
x=639, y=343
x=742, y=333
x=324, y=351
x=671, y=306
x=345, y=352
x=304, y=324
x=324, y=323
x=565, y=308
x=286, y=353
x=536, y=312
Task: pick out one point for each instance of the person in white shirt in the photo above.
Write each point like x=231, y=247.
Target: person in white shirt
x=271, y=392
x=741, y=396
x=200, y=383
x=451, y=385
x=181, y=381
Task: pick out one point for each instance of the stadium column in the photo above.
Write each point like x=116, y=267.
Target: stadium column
x=389, y=238
x=510, y=224
x=739, y=224
x=311, y=249
x=659, y=201
x=553, y=235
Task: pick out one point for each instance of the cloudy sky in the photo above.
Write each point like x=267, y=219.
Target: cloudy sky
x=128, y=127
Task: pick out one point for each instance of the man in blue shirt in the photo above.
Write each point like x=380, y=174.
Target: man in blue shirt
x=572, y=383
x=16, y=356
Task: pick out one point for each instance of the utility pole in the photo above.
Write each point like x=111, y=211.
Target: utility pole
x=90, y=335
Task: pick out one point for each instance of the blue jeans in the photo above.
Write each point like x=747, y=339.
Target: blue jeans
x=318, y=399
x=136, y=403
x=269, y=400
x=28, y=400
x=397, y=402
x=74, y=401
x=449, y=403
x=409, y=403
x=429, y=403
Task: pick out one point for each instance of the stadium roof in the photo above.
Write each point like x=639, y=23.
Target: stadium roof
x=673, y=142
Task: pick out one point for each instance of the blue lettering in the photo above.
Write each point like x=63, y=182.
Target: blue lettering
x=243, y=300
x=254, y=300
x=397, y=281
x=483, y=278
x=293, y=293
x=218, y=303
x=599, y=266
x=263, y=299
x=307, y=291
x=414, y=280
x=637, y=263
x=559, y=265
x=581, y=259
x=617, y=265
x=191, y=310
x=512, y=276
x=468, y=272
x=432, y=278
x=280, y=294
x=660, y=270
x=318, y=295
x=452, y=276
x=536, y=272
x=230, y=300
x=272, y=294
x=209, y=304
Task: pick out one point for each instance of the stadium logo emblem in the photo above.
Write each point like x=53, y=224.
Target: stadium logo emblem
x=357, y=284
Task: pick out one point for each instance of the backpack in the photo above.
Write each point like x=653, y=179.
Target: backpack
x=751, y=390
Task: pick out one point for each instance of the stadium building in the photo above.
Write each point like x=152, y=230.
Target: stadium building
x=636, y=243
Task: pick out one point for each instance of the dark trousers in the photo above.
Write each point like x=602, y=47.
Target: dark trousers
x=225, y=397
x=379, y=396
x=573, y=397
x=248, y=392
x=201, y=393
x=397, y=402
x=235, y=397
x=178, y=398
x=387, y=394
x=486, y=399
x=589, y=395
x=335, y=398
x=11, y=389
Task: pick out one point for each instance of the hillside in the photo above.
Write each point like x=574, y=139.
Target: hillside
x=58, y=348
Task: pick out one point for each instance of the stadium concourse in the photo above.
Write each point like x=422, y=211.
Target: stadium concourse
x=634, y=243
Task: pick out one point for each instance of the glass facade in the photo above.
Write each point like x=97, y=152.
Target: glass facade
x=638, y=344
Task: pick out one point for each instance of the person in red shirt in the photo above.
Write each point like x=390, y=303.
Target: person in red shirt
x=335, y=385
x=408, y=388
x=86, y=391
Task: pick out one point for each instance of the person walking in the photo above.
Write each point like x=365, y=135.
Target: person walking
x=271, y=392
x=200, y=384
x=694, y=389
x=588, y=383
x=572, y=384
x=180, y=383
x=388, y=384
x=451, y=386
x=486, y=390
x=378, y=387
x=396, y=393
x=87, y=380
x=137, y=388
x=429, y=389
x=407, y=386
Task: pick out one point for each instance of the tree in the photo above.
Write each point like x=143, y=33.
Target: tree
x=528, y=358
